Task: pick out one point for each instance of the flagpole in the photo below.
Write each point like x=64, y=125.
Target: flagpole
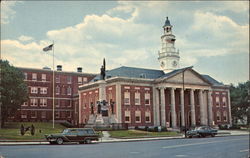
x=53, y=110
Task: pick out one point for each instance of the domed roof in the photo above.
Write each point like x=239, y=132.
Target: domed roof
x=167, y=22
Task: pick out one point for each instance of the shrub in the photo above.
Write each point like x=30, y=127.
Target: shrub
x=32, y=130
x=22, y=130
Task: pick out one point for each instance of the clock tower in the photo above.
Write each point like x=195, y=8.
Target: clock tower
x=168, y=56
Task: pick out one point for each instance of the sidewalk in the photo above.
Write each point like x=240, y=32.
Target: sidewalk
x=107, y=139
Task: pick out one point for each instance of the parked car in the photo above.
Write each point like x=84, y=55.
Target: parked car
x=81, y=135
x=202, y=131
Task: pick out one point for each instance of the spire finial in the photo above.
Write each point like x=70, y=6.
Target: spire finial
x=167, y=17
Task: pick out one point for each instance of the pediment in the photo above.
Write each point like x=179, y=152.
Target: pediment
x=190, y=77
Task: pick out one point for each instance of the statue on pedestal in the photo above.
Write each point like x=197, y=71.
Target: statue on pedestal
x=103, y=70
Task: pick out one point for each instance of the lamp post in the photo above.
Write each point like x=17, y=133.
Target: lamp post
x=183, y=85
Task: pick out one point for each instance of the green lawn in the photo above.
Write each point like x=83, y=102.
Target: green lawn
x=140, y=134
x=11, y=131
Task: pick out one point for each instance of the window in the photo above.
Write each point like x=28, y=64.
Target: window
x=57, y=79
x=137, y=116
x=23, y=114
x=43, y=102
x=57, y=90
x=33, y=114
x=57, y=114
x=33, y=102
x=43, y=90
x=63, y=90
x=34, y=90
x=79, y=80
x=43, y=77
x=25, y=76
x=69, y=90
x=217, y=101
x=57, y=103
x=147, y=117
x=127, y=98
x=225, y=116
x=25, y=104
x=68, y=102
x=34, y=76
x=224, y=102
x=63, y=114
x=137, y=98
x=127, y=117
x=68, y=114
x=69, y=79
x=218, y=116
x=43, y=114
x=85, y=79
x=147, y=98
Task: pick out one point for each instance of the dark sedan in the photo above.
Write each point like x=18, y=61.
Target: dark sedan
x=81, y=135
x=202, y=131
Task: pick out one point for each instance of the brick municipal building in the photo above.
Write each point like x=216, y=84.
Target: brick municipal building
x=137, y=97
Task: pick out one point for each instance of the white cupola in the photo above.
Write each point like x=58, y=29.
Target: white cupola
x=168, y=56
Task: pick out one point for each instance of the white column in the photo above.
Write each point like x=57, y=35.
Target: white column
x=173, y=112
x=163, y=105
x=118, y=103
x=229, y=107
x=80, y=108
x=182, y=109
x=202, y=107
x=193, y=121
x=156, y=107
x=210, y=109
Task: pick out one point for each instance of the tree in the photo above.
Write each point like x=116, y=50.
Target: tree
x=13, y=90
x=240, y=101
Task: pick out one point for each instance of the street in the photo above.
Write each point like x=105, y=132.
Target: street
x=217, y=147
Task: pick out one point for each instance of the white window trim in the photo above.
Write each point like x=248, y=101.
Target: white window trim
x=42, y=116
x=127, y=114
x=148, y=114
x=44, y=78
x=139, y=98
x=128, y=103
x=33, y=116
x=148, y=98
x=138, y=114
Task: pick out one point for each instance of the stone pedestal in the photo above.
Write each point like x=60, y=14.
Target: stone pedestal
x=99, y=119
x=112, y=119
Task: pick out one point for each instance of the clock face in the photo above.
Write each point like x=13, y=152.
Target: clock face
x=174, y=63
x=162, y=64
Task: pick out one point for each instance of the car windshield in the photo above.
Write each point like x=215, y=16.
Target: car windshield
x=65, y=131
x=198, y=128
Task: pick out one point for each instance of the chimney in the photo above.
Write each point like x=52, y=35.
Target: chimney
x=79, y=69
x=59, y=67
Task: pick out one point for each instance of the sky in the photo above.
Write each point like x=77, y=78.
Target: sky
x=211, y=36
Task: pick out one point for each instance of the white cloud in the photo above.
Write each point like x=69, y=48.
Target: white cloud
x=7, y=13
x=25, y=38
x=129, y=34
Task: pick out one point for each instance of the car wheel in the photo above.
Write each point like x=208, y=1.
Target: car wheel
x=212, y=135
x=189, y=136
x=52, y=142
x=59, y=141
x=81, y=142
x=87, y=141
x=202, y=135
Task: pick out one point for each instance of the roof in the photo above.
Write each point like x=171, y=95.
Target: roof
x=167, y=22
x=45, y=69
x=174, y=72
x=132, y=72
x=212, y=80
